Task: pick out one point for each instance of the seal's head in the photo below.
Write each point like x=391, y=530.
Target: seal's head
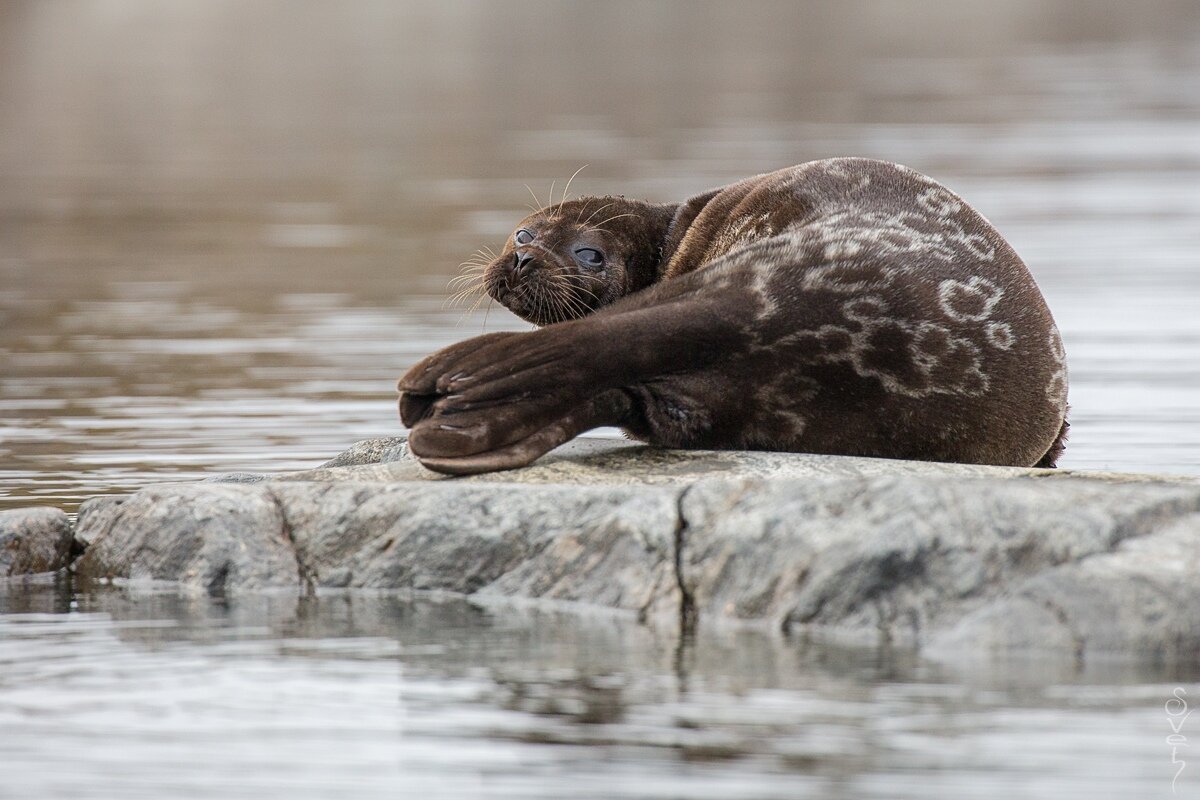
x=568, y=260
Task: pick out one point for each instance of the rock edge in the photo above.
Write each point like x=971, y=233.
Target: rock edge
x=958, y=561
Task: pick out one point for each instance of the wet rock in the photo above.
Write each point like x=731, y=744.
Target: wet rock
x=1139, y=597
x=34, y=540
x=968, y=565
x=210, y=537
x=371, y=451
x=595, y=545
x=959, y=561
x=616, y=462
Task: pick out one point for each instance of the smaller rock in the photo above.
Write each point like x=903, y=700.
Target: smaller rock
x=207, y=537
x=34, y=540
x=383, y=450
x=237, y=477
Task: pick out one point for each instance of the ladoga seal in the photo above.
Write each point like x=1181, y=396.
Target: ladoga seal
x=845, y=306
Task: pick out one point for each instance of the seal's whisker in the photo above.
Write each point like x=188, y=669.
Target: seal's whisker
x=454, y=298
x=467, y=289
x=551, y=312
x=558, y=299
x=565, y=294
x=593, y=278
x=487, y=310
x=540, y=297
x=567, y=188
x=590, y=293
x=473, y=268
x=610, y=219
x=458, y=298
x=576, y=308
x=567, y=284
x=465, y=280
x=584, y=308
x=593, y=214
x=536, y=201
x=482, y=296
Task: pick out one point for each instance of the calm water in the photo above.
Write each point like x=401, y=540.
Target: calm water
x=225, y=229
x=219, y=247
x=161, y=696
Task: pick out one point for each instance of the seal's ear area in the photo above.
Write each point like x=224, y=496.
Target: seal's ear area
x=685, y=214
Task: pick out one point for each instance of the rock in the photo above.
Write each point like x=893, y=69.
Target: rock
x=1138, y=598
x=208, y=536
x=959, y=561
x=34, y=540
x=602, y=546
x=947, y=562
x=371, y=451
x=596, y=545
x=616, y=462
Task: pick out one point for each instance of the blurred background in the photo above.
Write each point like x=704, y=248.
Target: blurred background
x=226, y=228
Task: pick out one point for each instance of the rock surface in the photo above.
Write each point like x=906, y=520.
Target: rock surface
x=960, y=561
x=972, y=564
x=212, y=537
x=34, y=540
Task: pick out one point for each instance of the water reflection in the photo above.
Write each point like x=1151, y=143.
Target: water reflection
x=225, y=230
x=438, y=697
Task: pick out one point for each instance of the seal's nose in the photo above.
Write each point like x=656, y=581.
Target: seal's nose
x=521, y=262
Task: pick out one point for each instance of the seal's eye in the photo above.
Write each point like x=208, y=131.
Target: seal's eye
x=590, y=257
x=523, y=237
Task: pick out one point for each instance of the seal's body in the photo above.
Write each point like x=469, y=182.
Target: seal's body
x=846, y=306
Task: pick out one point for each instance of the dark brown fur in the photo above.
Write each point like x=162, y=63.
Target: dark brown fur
x=846, y=306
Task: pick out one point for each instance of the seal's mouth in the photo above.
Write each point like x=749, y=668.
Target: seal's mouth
x=542, y=295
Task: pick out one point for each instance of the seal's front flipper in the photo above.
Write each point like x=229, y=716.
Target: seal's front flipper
x=503, y=400
x=415, y=407
x=423, y=377
x=608, y=409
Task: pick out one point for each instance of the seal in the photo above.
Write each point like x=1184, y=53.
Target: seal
x=845, y=306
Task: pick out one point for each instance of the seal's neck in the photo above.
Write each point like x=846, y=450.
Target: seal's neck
x=651, y=226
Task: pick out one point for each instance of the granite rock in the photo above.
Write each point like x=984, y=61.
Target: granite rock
x=212, y=537
x=918, y=561
x=958, y=561
x=34, y=540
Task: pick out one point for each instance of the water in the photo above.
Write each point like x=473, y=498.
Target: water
x=219, y=247
x=156, y=695
x=225, y=229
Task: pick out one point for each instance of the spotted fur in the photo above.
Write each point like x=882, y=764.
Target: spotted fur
x=843, y=306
